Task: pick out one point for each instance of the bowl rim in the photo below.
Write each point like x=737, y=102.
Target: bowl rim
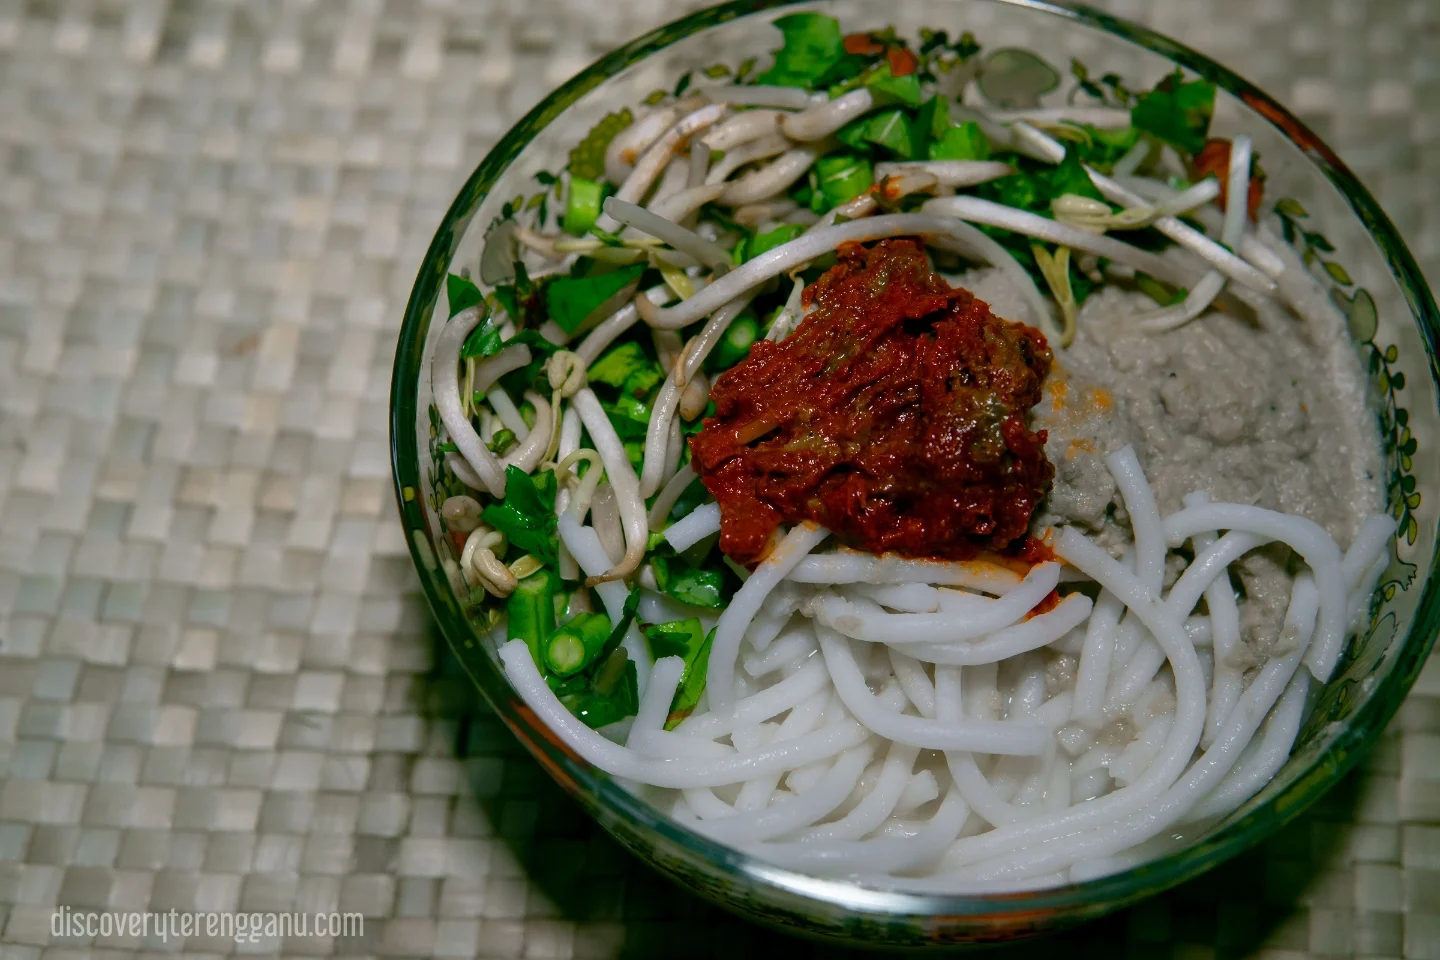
x=597, y=793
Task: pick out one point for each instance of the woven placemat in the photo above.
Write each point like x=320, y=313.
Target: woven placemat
x=219, y=689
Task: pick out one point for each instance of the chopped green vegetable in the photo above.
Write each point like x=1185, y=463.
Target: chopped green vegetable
x=612, y=695
x=965, y=141
x=483, y=341
x=530, y=613
x=692, y=684
x=627, y=617
x=461, y=293
x=635, y=453
x=587, y=160
x=685, y=639
x=696, y=586
x=527, y=514
x=931, y=122
x=892, y=130
x=629, y=415
x=628, y=368
x=569, y=300
x=1069, y=176
x=503, y=440
x=843, y=177
x=582, y=205
x=892, y=89
x=735, y=345
x=577, y=644
x=1100, y=148
x=811, y=47
x=1177, y=112
x=751, y=247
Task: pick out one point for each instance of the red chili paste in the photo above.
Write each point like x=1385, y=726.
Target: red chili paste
x=895, y=415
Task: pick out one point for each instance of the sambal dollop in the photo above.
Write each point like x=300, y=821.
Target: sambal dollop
x=895, y=415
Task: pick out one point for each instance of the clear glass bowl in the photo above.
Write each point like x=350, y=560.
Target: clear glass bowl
x=1311, y=198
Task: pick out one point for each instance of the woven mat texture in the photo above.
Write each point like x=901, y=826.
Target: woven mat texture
x=219, y=688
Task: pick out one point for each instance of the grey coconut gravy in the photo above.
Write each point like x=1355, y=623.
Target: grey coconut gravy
x=1249, y=403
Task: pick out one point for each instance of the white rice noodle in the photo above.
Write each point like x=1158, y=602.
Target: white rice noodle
x=853, y=566
x=736, y=157
x=801, y=719
x=863, y=620
x=1096, y=655
x=884, y=854
x=788, y=649
x=947, y=173
x=871, y=813
x=1203, y=777
x=809, y=680
x=686, y=241
x=622, y=478
x=797, y=811
x=1306, y=538
x=999, y=736
x=1144, y=516
x=725, y=647
x=901, y=597
x=821, y=120
x=776, y=176
x=653, y=162
x=1263, y=759
x=702, y=522
x=619, y=761
x=1031, y=634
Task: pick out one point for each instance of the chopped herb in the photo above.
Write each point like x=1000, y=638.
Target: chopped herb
x=696, y=586
x=692, y=684
x=503, y=440
x=527, y=514
x=1160, y=291
x=889, y=88
x=461, y=293
x=685, y=639
x=569, y=300
x=627, y=368
x=751, y=247
x=629, y=415
x=812, y=44
x=1100, y=148
x=1069, y=176
x=843, y=177
x=1177, y=112
x=483, y=341
x=965, y=141
x=931, y=122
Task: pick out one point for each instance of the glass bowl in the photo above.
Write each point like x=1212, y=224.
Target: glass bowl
x=1312, y=200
